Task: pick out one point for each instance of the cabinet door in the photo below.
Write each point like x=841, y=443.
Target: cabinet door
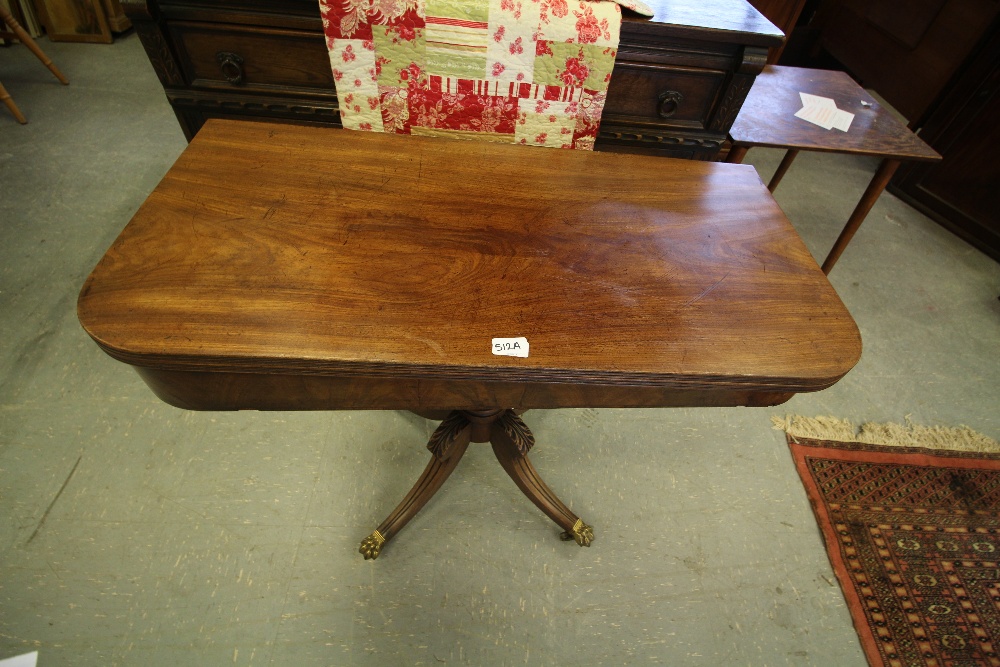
x=960, y=192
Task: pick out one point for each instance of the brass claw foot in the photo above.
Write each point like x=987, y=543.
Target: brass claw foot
x=371, y=546
x=511, y=441
x=581, y=532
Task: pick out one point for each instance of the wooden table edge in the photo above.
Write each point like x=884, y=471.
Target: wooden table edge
x=842, y=151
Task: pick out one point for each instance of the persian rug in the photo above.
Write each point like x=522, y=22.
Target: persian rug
x=532, y=72
x=913, y=535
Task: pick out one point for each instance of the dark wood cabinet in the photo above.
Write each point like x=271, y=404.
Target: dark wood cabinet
x=906, y=50
x=679, y=79
x=960, y=192
x=782, y=13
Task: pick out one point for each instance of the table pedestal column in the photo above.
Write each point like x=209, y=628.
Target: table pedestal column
x=511, y=440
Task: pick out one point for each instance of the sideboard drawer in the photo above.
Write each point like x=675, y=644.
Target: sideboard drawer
x=253, y=59
x=662, y=96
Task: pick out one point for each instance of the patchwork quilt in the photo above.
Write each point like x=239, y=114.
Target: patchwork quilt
x=532, y=72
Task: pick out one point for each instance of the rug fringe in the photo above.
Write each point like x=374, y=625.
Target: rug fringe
x=960, y=438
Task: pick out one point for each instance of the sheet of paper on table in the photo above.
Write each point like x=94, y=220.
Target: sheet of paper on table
x=823, y=111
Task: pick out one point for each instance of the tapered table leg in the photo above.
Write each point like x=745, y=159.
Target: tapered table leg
x=447, y=444
x=779, y=173
x=511, y=442
x=736, y=154
x=875, y=188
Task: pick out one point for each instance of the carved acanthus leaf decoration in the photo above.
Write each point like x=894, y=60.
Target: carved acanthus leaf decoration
x=517, y=431
x=443, y=440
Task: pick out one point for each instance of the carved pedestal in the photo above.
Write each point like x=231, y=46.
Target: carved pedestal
x=511, y=440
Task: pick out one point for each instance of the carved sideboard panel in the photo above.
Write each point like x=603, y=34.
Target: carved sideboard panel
x=679, y=80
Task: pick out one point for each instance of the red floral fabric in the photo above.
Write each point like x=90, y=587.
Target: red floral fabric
x=532, y=72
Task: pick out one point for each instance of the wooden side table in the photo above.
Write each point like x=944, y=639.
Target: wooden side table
x=768, y=119
x=293, y=268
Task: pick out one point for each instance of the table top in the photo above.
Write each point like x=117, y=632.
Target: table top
x=277, y=249
x=767, y=118
x=735, y=21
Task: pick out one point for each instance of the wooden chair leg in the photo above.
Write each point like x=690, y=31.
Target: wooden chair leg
x=511, y=440
x=26, y=39
x=447, y=444
x=9, y=102
x=875, y=188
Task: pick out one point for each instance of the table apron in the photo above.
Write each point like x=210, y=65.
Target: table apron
x=201, y=390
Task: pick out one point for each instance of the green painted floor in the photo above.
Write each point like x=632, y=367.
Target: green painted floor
x=133, y=533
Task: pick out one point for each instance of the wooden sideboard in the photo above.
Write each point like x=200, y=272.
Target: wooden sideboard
x=679, y=80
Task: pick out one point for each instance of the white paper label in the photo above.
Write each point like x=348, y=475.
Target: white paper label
x=510, y=347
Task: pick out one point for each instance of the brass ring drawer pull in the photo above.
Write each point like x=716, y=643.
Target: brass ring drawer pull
x=231, y=65
x=670, y=100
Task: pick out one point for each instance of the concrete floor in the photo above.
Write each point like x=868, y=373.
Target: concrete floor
x=133, y=533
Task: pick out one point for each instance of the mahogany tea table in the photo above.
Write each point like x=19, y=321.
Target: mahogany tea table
x=768, y=119
x=279, y=267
